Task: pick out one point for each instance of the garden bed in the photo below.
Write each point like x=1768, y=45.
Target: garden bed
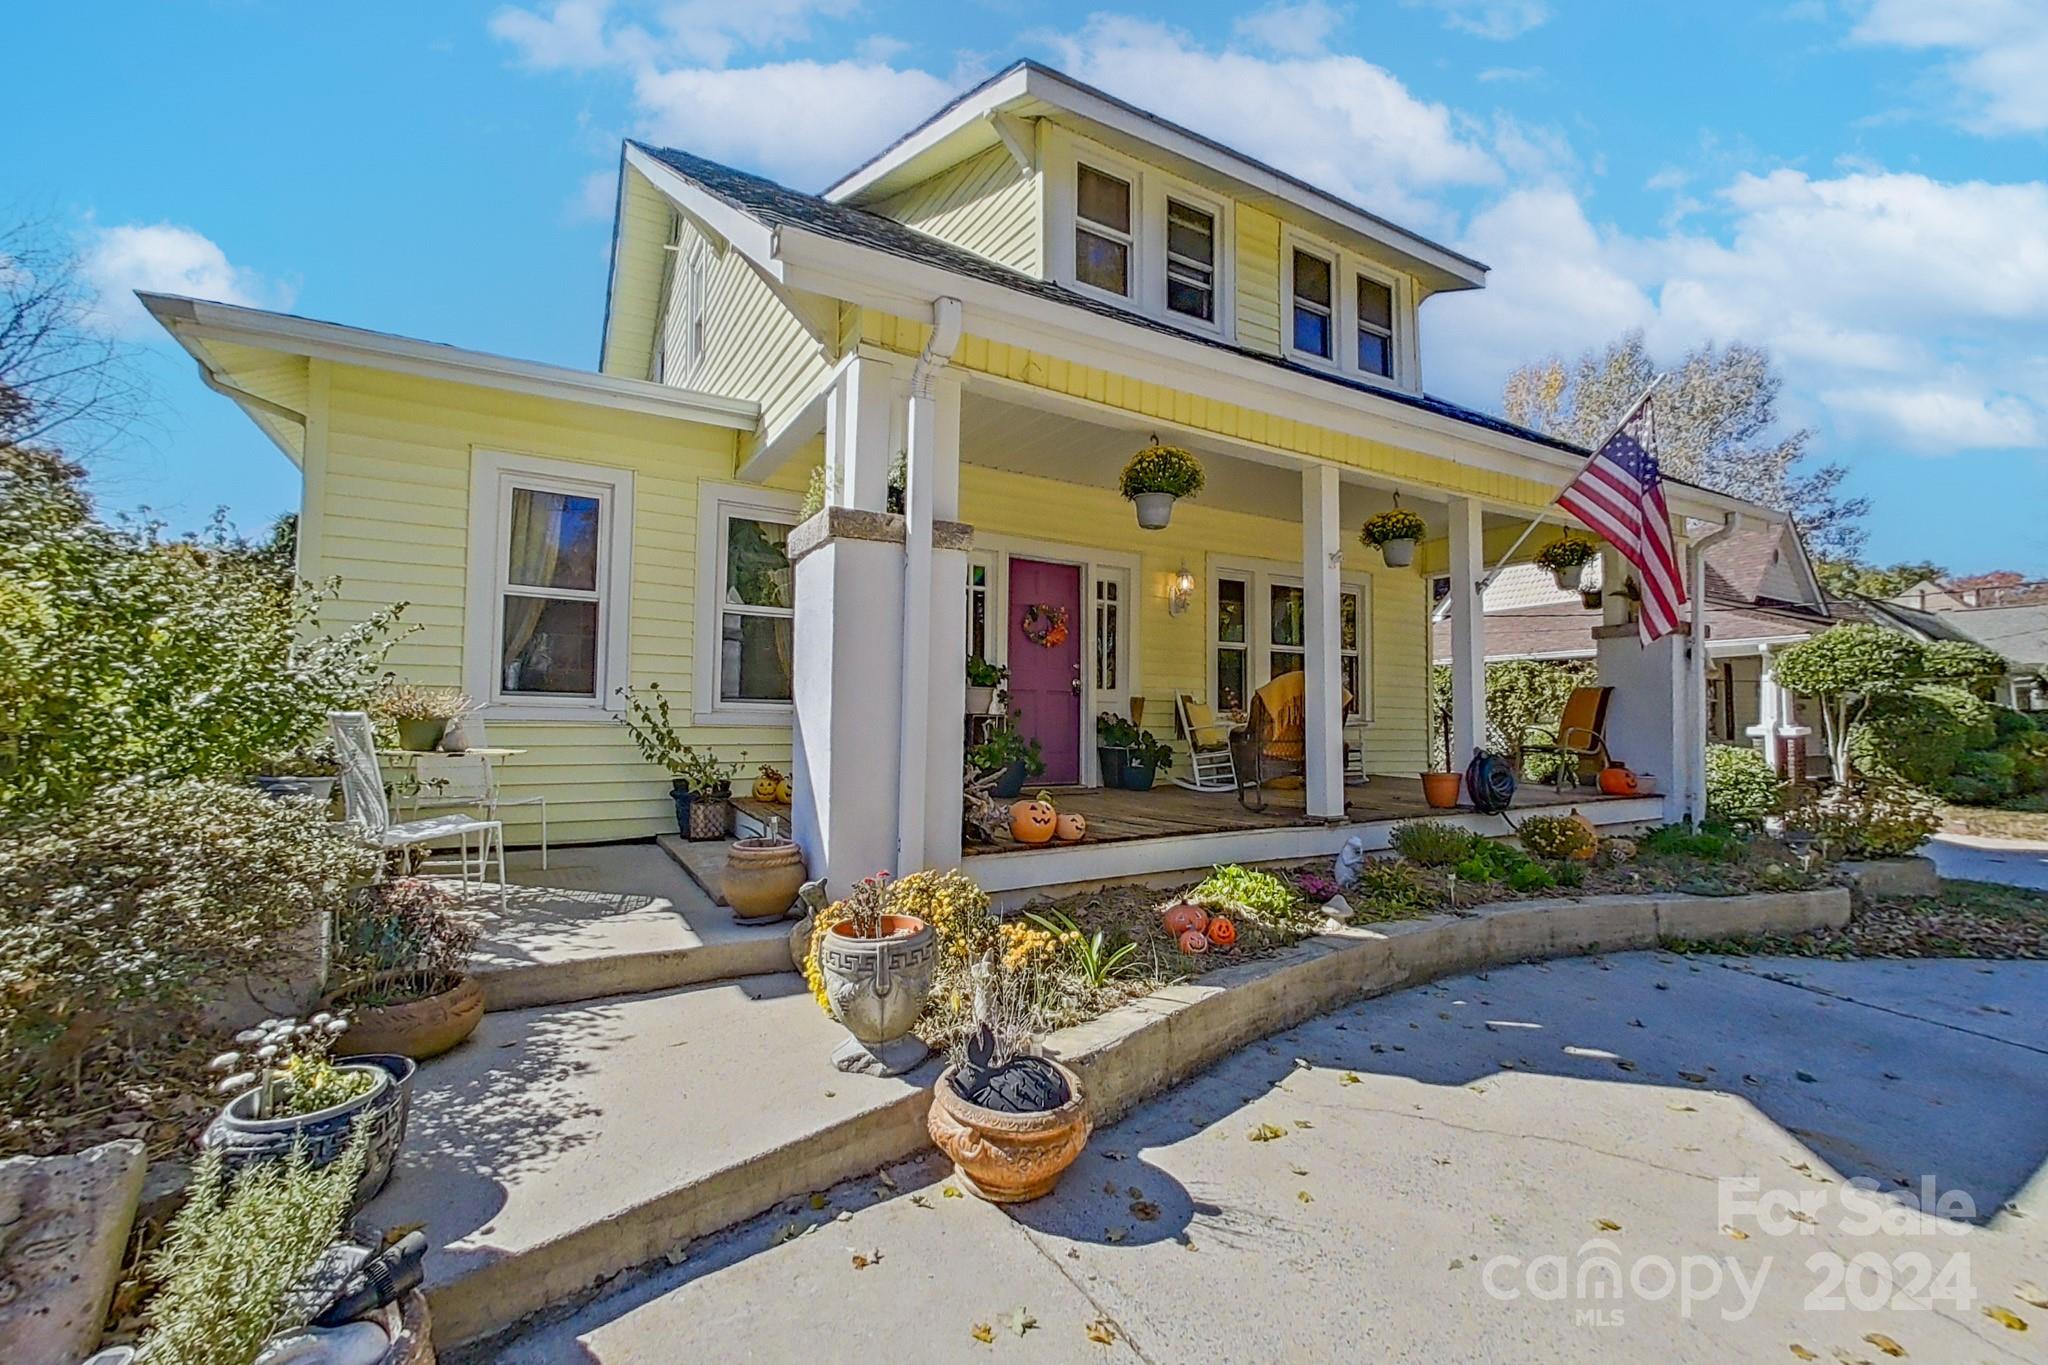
x=1968, y=919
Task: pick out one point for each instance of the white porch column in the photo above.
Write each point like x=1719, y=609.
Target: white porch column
x=1322, y=557
x=1770, y=708
x=934, y=700
x=1468, y=633
x=858, y=420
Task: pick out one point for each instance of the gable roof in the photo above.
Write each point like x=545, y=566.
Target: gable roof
x=774, y=205
x=1029, y=89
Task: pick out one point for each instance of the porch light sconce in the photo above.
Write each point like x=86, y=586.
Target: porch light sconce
x=1183, y=592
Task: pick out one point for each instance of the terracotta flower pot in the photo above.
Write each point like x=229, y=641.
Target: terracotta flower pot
x=876, y=987
x=762, y=877
x=418, y=1029
x=1008, y=1158
x=1441, y=789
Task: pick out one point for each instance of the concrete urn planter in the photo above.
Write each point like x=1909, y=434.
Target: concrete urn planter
x=762, y=877
x=876, y=987
x=418, y=1029
x=1008, y=1158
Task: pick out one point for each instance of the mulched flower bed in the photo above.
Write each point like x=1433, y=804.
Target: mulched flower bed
x=1968, y=919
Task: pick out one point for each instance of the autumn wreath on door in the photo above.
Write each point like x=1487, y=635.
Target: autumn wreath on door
x=1045, y=624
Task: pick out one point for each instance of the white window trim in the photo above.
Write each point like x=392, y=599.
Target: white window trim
x=492, y=474
x=715, y=503
x=695, y=323
x=1346, y=266
x=1393, y=283
x=1160, y=187
x=1128, y=172
x=1260, y=577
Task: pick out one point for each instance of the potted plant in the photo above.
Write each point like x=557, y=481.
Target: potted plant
x=402, y=960
x=288, y=1094
x=1566, y=558
x=874, y=968
x=1394, y=533
x=306, y=771
x=1114, y=737
x=700, y=782
x=983, y=678
x=763, y=875
x=1147, y=757
x=1440, y=789
x=1589, y=598
x=1156, y=478
x=1011, y=1121
x=1009, y=757
x=420, y=714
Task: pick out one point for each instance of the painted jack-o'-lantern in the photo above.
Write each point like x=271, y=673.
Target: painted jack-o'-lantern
x=1617, y=780
x=767, y=784
x=785, y=792
x=1181, y=918
x=1070, y=828
x=1034, y=821
x=1194, y=942
x=1221, y=932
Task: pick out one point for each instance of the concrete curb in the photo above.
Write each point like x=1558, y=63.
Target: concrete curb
x=1123, y=1058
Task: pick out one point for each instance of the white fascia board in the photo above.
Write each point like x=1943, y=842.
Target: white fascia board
x=382, y=351
x=963, y=113
x=906, y=288
x=754, y=239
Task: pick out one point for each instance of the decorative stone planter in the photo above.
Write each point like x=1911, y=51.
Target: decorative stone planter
x=702, y=817
x=1441, y=789
x=418, y=1029
x=876, y=987
x=1155, y=510
x=980, y=700
x=762, y=877
x=1398, y=554
x=1008, y=1158
x=420, y=736
x=245, y=1140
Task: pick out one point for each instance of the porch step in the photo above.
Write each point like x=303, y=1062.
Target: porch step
x=618, y=919
x=562, y=1145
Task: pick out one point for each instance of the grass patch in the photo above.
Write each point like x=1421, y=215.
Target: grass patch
x=2025, y=818
x=1968, y=919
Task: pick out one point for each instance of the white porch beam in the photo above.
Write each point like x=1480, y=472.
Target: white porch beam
x=1468, y=631
x=1322, y=559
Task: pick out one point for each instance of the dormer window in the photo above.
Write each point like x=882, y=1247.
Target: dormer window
x=1314, y=304
x=1375, y=326
x=1102, y=231
x=1190, y=261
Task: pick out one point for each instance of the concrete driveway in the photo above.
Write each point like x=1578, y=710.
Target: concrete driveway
x=1982, y=859
x=1637, y=1158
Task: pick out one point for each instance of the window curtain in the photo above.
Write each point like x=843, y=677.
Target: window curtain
x=536, y=550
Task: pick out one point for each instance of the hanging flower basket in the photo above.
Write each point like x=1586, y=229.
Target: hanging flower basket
x=1566, y=559
x=1156, y=478
x=1394, y=534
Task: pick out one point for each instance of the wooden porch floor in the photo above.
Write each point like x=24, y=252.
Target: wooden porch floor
x=1116, y=816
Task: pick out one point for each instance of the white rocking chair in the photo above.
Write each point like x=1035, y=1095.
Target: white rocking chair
x=369, y=812
x=1210, y=766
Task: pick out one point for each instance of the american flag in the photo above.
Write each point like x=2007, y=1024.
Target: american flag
x=1620, y=494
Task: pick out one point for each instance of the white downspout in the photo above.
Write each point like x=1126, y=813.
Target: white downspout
x=919, y=507
x=1692, y=740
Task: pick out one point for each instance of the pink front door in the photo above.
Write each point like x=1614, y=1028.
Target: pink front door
x=1045, y=679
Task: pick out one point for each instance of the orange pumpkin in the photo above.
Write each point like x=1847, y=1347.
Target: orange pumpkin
x=1070, y=829
x=1194, y=943
x=1591, y=844
x=1183, y=918
x=1222, y=933
x=1033, y=822
x=1617, y=780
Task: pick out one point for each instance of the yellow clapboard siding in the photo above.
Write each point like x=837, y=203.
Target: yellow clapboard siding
x=984, y=204
x=635, y=306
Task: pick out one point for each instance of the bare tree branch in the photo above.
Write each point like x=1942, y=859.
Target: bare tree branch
x=63, y=378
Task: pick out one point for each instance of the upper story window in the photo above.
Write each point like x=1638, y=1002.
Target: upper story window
x=1190, y=261
x=1375, y=326
x=1314, y=304
x=1102, y=231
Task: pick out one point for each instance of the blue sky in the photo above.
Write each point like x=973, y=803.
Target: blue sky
x=1860, y=185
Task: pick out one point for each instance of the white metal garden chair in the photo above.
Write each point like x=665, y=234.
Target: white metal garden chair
x=1210, y=766
x=469, y=780
x=369, y=812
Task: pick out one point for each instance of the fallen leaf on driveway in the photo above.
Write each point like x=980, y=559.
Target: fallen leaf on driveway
x=819, y=1201
x=1695, y=1077
x=1303, y=1123
x=1606, y=1225
x=1100, y=1332
x=1737, y=1233
x=1115, y=1235
x=1348, y=1078
x=1304, y=1196
x=1299, y=1170
x=983, y=1333
x=1266, y=1132
x=1145, y=1211
x=1682, y=1108
x=1802, y=1352
x=920, y=1201
x=1885, y=1344
x=2005, y=1317
x=949, y=1192
x=1021, y=1322
x=2031, y=1293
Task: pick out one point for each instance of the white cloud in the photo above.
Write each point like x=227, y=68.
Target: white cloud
x=2000, y=47
x=165, y=258
x=1493, y=75
x=1297, y=30
x=570, y=35
x=1499, y=20
x=1937, y=418
x=584, y=35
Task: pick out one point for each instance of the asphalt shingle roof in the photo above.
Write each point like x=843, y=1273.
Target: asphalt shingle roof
x=778, y=206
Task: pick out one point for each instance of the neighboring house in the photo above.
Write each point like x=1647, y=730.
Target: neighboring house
x=2012, y=621
x=1005, y=303
x=1762, y=596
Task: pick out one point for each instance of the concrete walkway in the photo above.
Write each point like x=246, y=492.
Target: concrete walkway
x=1978, y=858
x=1433, y=1147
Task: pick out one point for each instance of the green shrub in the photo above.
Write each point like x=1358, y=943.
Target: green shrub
x=1964, y=663
x=124, y=917
x=1249, y=891
x=1874, y=820
x=1531, y=877
x=1519, y=693
x=2011, y=724
x=1915, y=736
x=1684, y=841
x=1983, y=777
x=1473, y=870
x=2029, y=755
x=1557, y=837
x=1570, y=874
x=1385, y=889
x=1741, y=788
x=1431, y=843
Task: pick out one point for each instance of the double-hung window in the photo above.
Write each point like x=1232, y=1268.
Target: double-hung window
x=1314, y=304
x=1102, y=231
x=1190, y=261
x=1375, y=326
x=1233, y=665
x=756, y=608
x=1260, y=624
x=550, y=564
